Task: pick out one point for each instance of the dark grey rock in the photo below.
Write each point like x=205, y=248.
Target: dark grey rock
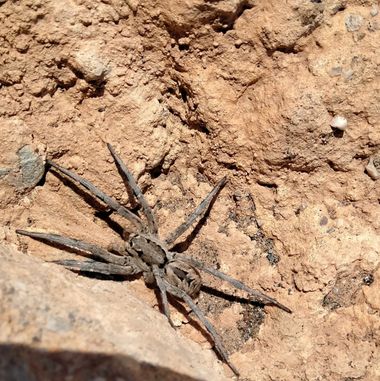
x=32, y=168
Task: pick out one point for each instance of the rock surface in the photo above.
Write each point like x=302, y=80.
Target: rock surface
x=188, y=92
x=55, y=325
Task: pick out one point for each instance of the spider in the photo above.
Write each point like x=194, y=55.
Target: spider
x=144, y=252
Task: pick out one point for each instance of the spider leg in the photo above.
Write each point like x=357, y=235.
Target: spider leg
x=80, y=246
x=199, y=211
x=98, y=267
x=127, y=175
x=210, y=328
x=163, y=293
x=112, y=203
x=256, y=295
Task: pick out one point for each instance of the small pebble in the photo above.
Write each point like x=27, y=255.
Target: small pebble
x=339, y=122
x=335, y=71
x=89, y=63
x=372, y=171
x=358, y=36
x=273, y=258
x=347, y=74
x=353, y=22
x=32, y=168
x=368, y=279
x=374, y=10
x=184, y=41
x=133, y=4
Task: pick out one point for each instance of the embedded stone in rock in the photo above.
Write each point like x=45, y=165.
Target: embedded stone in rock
x=32, y=168
x=339, y=122
x=88, y=63
x=24, y=173
x=353, y=23
x=374, y=10
x=372, y=169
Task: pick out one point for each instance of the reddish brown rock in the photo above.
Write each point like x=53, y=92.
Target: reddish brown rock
x=201, y=89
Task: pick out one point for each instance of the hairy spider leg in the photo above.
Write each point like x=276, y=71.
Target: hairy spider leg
x=163, y=293
x=199, y=314
x=127, y=176
x=256, y=295
x=80, y=246
x=112, y=203
x=98, y=267
x=201, y=209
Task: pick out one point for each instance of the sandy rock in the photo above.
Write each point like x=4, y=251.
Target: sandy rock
x=61, y=326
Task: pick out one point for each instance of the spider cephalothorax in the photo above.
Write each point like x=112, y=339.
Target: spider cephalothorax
x=144, y=252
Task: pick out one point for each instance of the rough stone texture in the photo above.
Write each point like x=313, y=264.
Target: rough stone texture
x=32, y=167
x=55, y=325
x=22, y=164
x=88, y=63
x=194, y=90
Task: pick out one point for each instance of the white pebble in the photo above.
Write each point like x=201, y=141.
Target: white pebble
x=374, y=10
x=339, y=122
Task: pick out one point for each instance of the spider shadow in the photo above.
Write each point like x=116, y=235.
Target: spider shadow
x=229, y=297
x=104, y=277
x=88, y=274
x=101, y=211
x=182, y=246
x=131, y=197
x=181, y=307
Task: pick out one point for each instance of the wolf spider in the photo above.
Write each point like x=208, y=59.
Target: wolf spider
x=145, y=252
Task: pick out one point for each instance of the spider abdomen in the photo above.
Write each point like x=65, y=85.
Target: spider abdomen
x=184, y=276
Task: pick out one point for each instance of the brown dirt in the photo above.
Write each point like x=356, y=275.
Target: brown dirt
x=188, y=92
